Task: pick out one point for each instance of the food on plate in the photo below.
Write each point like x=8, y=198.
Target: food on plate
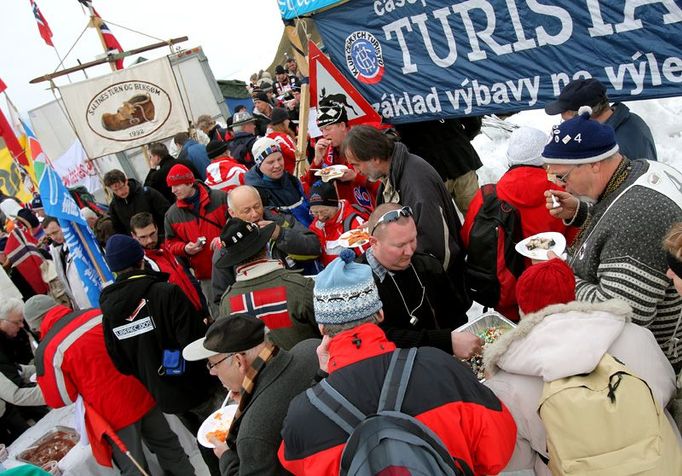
x=489, y=335
x=52, y=448
x=540, y=244
x=357, y=236
x=219, y=435
x=328, y=171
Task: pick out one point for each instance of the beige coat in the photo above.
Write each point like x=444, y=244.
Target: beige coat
x=563, y=340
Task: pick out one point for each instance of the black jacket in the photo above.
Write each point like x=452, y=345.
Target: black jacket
x=143, y=315
x=139, y=199
x=401, y=295
x=445, y=144
x=156, y=178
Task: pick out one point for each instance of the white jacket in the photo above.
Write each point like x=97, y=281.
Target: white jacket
x=70, y=278
x=563, y=340
x=23, y=397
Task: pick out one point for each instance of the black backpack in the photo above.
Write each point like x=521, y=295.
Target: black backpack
x=491, y=257
x=388, y=439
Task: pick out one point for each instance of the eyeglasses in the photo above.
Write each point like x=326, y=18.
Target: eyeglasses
x=210, y=365
x=392, y=216
x=561, y=178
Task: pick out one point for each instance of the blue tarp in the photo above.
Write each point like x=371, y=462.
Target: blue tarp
x=417, y=60
x=295, y=8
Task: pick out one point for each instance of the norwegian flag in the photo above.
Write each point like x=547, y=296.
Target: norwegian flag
x=110, y=40
x=43, y=27
x=269, y=305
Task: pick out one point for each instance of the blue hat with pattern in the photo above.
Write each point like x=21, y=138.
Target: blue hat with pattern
x=580, y=140
x=345, y=291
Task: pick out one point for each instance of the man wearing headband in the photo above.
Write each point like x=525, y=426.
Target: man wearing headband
x=623, y=209
x=420, y=301
x=332, y=119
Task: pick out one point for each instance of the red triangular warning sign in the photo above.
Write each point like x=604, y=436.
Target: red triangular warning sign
x=326, y=81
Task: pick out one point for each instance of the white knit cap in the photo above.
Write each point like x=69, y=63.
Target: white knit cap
x=525, y=146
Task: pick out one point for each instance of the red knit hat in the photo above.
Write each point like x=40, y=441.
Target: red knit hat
x=178, y=175
x=550, y=282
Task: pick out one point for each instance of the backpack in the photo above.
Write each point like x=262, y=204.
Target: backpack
x=389, y=441
x=605, y=423
x=491, y=257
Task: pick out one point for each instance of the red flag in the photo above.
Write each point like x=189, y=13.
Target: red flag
x=110, y=40
x=10, y=140
x=3, y=86
x=43, y=27
x=269, y=305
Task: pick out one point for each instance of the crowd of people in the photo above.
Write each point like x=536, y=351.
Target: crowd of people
x=229, y=262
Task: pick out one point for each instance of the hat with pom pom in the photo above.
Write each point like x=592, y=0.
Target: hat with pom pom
x=345, y=291
x=580, y=140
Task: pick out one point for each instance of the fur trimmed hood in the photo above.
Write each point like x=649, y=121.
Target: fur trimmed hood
x=559, y=340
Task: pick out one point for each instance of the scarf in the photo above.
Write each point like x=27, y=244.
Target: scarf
x=616, y=180
x=248, y=385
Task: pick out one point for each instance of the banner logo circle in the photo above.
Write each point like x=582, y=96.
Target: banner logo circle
x=363, y=57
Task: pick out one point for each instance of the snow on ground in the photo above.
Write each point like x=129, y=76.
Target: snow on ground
x=664, y=117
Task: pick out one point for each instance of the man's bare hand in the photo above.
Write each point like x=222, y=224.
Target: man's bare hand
x=465, y=345
x=193, y=247
x=321, y=147
x=560, y=204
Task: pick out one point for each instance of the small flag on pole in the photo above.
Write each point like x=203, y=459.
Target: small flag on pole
x=110, y=41
x=43, y=27
x=3, y=86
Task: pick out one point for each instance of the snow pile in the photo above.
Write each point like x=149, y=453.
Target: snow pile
x=664, y=117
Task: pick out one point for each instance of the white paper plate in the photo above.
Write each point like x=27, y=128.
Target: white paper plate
x=541, y=254
x=344, y=239
x=221, y=419
x=331, y=172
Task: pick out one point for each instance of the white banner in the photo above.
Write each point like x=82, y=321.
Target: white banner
x=76, y=170
x=125, y=109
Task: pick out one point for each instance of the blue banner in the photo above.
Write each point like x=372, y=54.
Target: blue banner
x=82, y=245
x=425, y=59
x=290, y=9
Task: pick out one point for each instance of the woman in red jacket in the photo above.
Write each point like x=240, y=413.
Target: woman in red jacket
x=522, y=186
x=278, y=129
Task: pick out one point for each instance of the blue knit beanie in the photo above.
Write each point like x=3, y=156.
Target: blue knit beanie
x=580, y=140
x=122, y=251
x=345, y=291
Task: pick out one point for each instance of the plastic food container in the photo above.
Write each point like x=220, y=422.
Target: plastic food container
x=52, y=446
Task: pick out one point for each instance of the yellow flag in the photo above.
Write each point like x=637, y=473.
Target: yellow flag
x=12, y=182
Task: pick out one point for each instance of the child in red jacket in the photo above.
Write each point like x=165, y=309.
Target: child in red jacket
x=333, y=217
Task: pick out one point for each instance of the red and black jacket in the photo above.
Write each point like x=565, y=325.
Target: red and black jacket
x=442, y=393
x=184, y=226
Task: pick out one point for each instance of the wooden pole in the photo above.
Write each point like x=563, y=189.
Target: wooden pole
x=94, y=23
x=111, y=57
x=291, y=30
x=87, y=249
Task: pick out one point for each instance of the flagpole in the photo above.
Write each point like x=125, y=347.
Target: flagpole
x=87, y=249
x=93, y=23
x=61, y=62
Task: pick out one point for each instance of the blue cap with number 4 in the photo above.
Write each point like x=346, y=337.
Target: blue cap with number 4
x=580, y=140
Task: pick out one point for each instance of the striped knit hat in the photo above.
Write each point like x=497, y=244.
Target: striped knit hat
x=264, y=147
x=345, y=291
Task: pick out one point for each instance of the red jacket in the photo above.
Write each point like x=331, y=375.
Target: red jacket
x=524, y=188
x=442, y=393
x=360, y=191
x=74, y=361
x=164, y=261
x=183, y=226
x=347, y=218
x=288, y=146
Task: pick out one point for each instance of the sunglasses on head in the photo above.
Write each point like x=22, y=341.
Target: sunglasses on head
x=392, y=216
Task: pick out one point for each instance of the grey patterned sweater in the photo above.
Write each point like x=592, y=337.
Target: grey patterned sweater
x=620, y=256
